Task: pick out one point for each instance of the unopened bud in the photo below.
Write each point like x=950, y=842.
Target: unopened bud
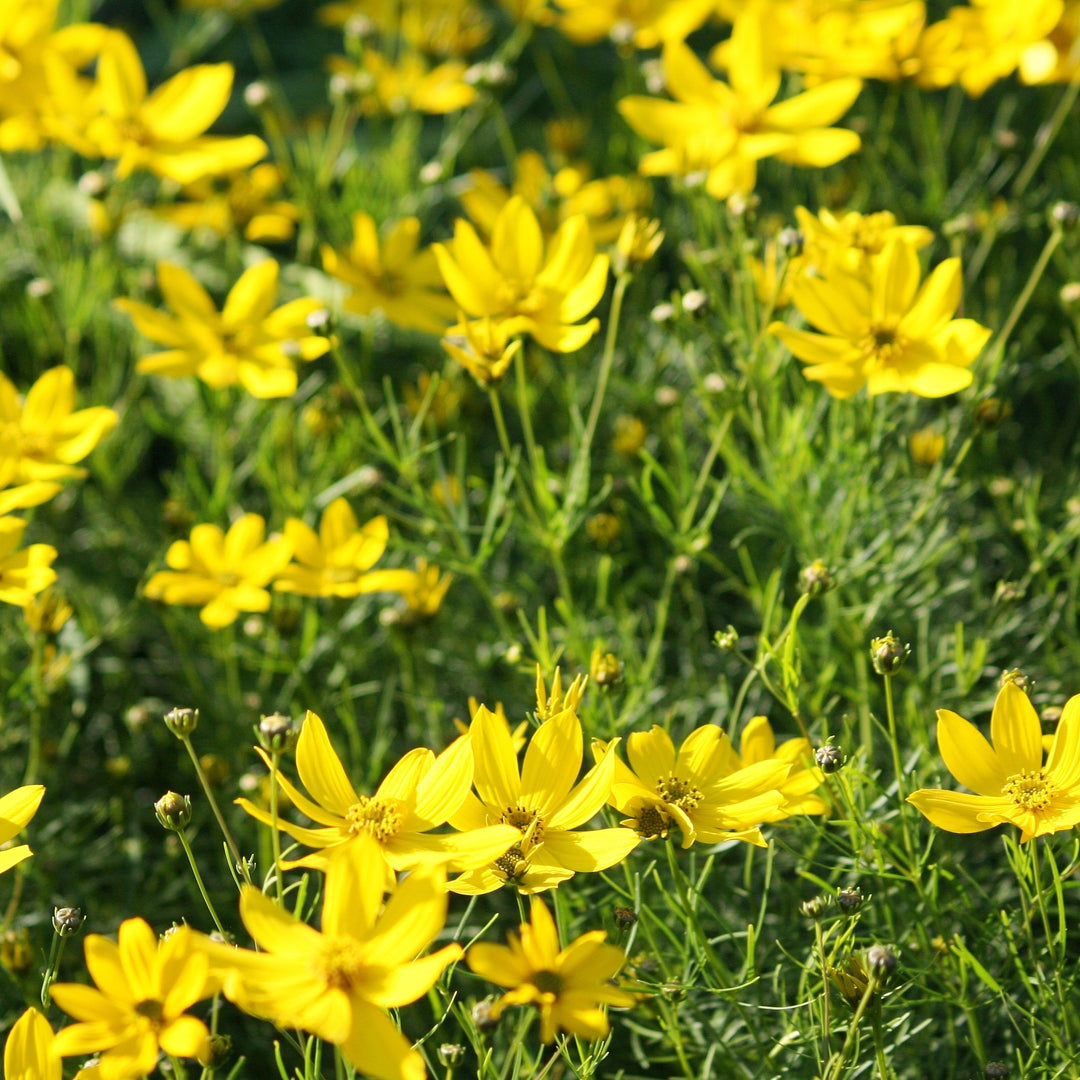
x=881, y=961
x=450, y=1054
x=996, y=1070
x=816, y=579
x=481, y=1016
x=727, y=640
x=67, y=921
x=625, y=917
x=182, y=722
x=173, y=810
x=1017, y=678
x=829, y=758
x=16, y=952
x=815, y=908
x=888, y=654
x=850, y=900
x=1065, y=214
x=216, y=1052
x=605, y=669
x=277, y=733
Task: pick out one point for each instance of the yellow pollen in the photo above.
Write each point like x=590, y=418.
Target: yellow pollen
x=547, y=982
x=528, y=822
x=883, y=344
x=382, y=818
x=512, y=864
x=152, y=1009
x=340, y=961
x=681, y=793
x=651, y=823
x=1029, y=789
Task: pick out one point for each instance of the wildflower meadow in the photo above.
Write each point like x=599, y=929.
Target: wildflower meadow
x=540, y=539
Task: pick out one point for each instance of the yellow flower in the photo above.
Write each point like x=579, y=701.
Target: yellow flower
x=405, y=85
x=645, y=24
x=724, y=129
x=542, y=803
x=223, y=573
x=568, y=986
x=558, y=701
x=926, y=446
x=884, y=331
x=420, y=793
x=337, y=983
x=27, y=1052
x=248, y=343
x=757, y=743
x=46, y=434
x=539, y=292
x=700, y=789
x=484, y=348
x=138, y=1009
x=162, y=131
x=422, y=589
x=1012, y=785
x=439, y=27
x=852, y=238
x=337, y=560
x=16, y=809
x=47, y=613
x=247, y=204
x=25, y=573
x=396, y=279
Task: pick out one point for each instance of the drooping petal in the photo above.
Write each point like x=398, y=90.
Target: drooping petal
x=958, y=812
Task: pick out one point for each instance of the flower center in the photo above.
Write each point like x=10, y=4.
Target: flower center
x=512, y=864
x=341, y=961
x=651, y=822
x=382, y=818
x=1029, y=789
x=547, y=982
x=883, y=344
x=681, y=793
x=152, y=1009
x=528, y=822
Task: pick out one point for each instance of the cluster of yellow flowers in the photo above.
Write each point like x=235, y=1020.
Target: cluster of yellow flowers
x=225, y=573
x=858, y=282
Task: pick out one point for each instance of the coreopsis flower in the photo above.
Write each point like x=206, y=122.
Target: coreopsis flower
x=569, y=987
x=47, y=613
x=852, y=238
x=422, y=589
x=644, y=24
x=558, y=700
x=222, y=573
x=639, y=240
x=338, y=982
x=484, y=348
x=885, y=331
x=244, y=203
x=545, y=804
x=162, y=131
x=46, y=435
x=418, y=795
x=27, y=1052
x=406, y=84
x=16, y=809
x=395, y=277
x=541, y=290
x=696, y=789
x=757, y=743
x=555, y=197
x=144, y=987
x=1012, y=784
x=437, y=27
x=724, y=129
x=23, y=573
x=987, y=40
x=248, y=343
x=337, y=561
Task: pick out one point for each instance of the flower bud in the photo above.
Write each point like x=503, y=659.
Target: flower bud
x=605, y=669
x=726, y=640
x=481, y=1016
x=216, y=1052
x=67, y=921
x=182, y=722
x=881, y=962
x=816, y=579
x=888, y=654
x=16, y=953
x=450, y=1054
x=850, y=900
x=996, y=1070
x=829, y=758
x=1065, y=214
x=1018, y=679
x=277, y=733
x=815, y=908
x=173, y=811
x=625, y=917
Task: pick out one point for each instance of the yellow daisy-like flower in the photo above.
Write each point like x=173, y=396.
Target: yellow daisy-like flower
x=1012, y=784
x=757, y=743
x=395, y=278
x=338, y=982
x=249, y=342
x=484, y=349
x=16, y=809
x=543, y=802
x=144, y=988
x=163, y=131
x=223, y=573
x=568, y=986
x=419, y=794
x=338, y=560
x=852, y=238
x=885, y=331
x=407, y=84
x=701, y=789
x=46, y=435
x=25, y=573
x=422, y=589
x=724, y=129
x=541, y=290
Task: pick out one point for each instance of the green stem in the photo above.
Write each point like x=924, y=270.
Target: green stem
x=606, y=362
x=1045, y=137
x=199, y=881
x=898, y=768
x=819, y=939
x=51, y=968
x=37, y=712
x=234, y=851
x=275, y=836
